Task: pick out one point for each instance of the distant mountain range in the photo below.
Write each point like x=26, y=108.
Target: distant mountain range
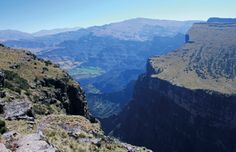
x=6, y=35
x=142, y=29
x=54, y=31
x=106, y=58
x=138, y=29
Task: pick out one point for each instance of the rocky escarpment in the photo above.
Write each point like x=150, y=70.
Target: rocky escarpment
x=186, y=101
x=166, y=117
x=72, y=96
x=206, y=61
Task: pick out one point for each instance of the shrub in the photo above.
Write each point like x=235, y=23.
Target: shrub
x=2, y=127
x=42, y=109
x=45, y=69
x=15, y=82
x=48, y=63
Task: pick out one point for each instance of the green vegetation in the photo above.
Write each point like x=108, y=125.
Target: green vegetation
x=2, y=127
x=86, y=71
x=47, y=63
x=102, y=107
x=15, y=82
x=42, y=109
x=45, y=69
x=20, y=126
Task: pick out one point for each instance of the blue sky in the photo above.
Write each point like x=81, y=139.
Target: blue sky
x=34, y=15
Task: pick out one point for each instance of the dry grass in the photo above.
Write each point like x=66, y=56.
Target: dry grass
x=51, y=127
x=21, y=126
x=207, y=63
x=28, y=67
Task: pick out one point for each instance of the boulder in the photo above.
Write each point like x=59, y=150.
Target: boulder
x=34, y=143
x=3, y=148
x=18, y=110
x=11, y=136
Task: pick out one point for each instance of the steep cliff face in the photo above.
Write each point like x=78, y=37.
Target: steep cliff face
x=166, y=117
x=186, y=101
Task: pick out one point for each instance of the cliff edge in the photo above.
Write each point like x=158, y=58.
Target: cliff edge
x=186, y=101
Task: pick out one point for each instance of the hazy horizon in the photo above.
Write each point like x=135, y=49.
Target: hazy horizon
x=32, y=16
x=102, y=24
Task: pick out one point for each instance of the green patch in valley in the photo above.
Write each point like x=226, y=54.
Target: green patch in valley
x=86, y=72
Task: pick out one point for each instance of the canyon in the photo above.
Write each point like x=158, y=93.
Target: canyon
x=186, y=100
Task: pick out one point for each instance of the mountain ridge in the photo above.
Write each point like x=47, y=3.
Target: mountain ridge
x=54, y=31
x=199, y=66
x=107, y=28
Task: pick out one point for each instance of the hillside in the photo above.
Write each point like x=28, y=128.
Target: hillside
x=43, y=109
x=40, y=81
x=207, y=61
x=186, y=100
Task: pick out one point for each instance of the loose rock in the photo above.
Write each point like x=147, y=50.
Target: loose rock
x=18, y=110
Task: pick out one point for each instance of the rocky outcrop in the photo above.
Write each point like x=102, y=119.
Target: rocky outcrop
x=75, y=96
x=71, y=96
x=25, y=143
x=18, y=110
